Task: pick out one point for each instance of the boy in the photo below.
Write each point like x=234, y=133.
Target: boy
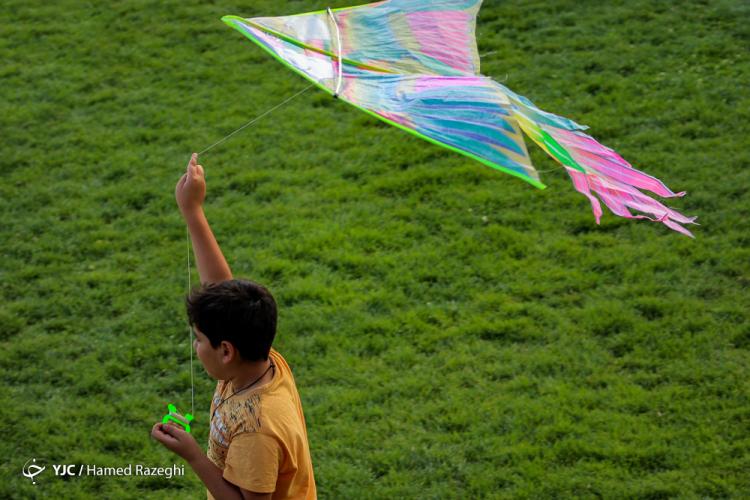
x=258, y=440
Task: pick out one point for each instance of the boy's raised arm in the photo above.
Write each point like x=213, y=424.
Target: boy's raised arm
x=190, y=193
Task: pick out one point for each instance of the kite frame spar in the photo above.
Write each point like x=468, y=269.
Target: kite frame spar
x=230, y=20
x=338, y=44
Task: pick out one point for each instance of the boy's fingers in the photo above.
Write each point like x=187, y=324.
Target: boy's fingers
x=165, y=433
x=165, y=439
x=193, y=160
x=172, y=429
x=158, y=434
x=196, y=171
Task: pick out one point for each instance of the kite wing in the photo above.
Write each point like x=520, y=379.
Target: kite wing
x=414, y=64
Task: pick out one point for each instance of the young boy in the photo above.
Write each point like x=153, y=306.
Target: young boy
x=258, y=440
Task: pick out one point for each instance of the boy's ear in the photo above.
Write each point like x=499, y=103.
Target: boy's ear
x=228, y=351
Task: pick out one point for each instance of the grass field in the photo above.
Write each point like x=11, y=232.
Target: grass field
x=454, y=332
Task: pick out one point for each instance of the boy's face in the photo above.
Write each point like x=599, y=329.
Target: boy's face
x=212, y=358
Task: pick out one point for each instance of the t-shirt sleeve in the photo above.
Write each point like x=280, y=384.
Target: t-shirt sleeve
x=253, y=461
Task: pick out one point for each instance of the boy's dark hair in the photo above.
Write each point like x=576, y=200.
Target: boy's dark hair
x=238, y=311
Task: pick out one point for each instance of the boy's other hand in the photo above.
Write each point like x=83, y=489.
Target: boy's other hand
x=175, y=439
x=191, y=188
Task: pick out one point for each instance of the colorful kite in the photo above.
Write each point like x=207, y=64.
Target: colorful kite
x=415, y=65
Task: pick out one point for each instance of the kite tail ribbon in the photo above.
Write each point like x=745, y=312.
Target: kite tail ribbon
x=595, y=168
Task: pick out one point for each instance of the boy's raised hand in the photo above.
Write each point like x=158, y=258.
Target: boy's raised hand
x=190, y=193
x=191, y=188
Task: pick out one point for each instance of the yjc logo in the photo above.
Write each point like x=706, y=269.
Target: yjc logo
x=31, y=470
x=64, y=470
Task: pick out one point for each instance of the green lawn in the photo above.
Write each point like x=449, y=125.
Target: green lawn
x=454, y=332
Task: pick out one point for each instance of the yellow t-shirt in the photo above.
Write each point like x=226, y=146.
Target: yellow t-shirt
x=258, y=437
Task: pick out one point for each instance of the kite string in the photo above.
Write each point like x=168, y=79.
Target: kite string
x=257, y=118
x=187, y=239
